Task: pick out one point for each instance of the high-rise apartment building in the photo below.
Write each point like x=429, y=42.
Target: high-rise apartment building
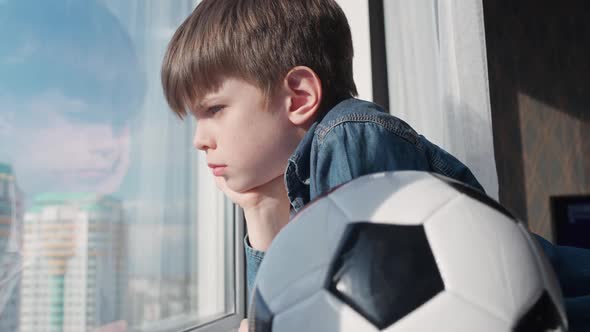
x=10, y=259
x=75, y=248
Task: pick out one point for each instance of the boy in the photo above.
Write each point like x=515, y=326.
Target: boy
x=270, y=84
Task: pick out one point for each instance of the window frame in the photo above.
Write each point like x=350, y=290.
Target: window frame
x=230, y=321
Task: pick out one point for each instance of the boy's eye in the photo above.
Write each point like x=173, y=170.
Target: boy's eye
x=214, y=109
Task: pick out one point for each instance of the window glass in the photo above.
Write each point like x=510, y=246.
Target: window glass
x=108, y=219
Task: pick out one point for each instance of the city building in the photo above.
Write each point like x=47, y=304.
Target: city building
x=10, y=259
x=75, y=248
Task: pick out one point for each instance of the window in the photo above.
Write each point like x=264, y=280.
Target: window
x=107, y=200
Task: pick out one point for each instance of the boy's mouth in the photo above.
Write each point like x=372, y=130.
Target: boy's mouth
x=218, y=170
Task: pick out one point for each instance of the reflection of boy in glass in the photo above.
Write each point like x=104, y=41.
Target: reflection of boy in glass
x=69, y=83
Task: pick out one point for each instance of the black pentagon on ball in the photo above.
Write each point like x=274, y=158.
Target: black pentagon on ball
x=384, y=271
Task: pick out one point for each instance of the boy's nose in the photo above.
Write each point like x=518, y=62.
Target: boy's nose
x=202, y=141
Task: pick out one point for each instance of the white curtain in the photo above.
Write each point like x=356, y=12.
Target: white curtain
x=438, y=82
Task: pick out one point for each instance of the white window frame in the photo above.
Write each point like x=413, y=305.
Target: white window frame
x=231, y=321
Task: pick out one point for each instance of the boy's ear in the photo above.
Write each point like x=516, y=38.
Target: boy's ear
x=304, y=90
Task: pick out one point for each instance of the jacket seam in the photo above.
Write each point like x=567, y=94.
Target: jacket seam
x=406, y=134
x=441, y=166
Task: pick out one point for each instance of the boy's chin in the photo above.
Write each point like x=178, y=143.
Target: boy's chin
x=244, y=186
x=240, y=186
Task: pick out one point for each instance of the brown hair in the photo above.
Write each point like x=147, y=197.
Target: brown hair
x=258, y=41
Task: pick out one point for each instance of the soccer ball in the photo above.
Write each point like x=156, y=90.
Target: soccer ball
x=405, y=251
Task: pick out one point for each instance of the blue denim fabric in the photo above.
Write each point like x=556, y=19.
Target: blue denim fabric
x=253, y=261
x=572, y=267
x=356, y=138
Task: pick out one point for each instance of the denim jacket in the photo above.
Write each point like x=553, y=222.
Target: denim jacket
x=356, y=138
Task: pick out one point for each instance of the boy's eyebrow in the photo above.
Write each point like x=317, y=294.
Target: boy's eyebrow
x=205, y=101
x=209, y=100
x=199, y=104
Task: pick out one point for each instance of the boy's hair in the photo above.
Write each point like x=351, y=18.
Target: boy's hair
x=258, y=41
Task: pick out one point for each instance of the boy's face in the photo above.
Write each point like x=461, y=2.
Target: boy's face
x=249, y=139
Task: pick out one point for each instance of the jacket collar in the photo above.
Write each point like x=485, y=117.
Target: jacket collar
x=298, y=170
x=297, y=173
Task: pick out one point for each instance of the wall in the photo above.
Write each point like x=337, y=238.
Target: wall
x=539, y=68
